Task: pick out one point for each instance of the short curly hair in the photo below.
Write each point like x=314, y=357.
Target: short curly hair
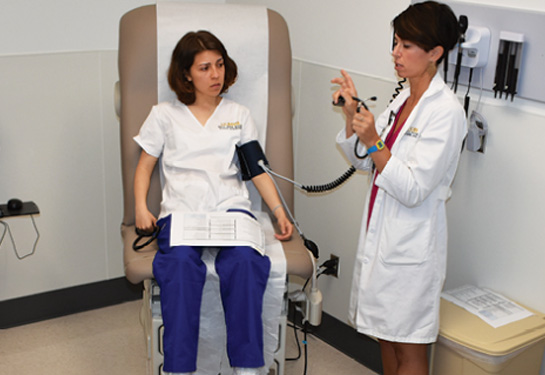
x=428, y=25
x=183, y=57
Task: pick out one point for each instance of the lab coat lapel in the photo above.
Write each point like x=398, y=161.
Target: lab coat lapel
x=436, y=85
x=393, y=109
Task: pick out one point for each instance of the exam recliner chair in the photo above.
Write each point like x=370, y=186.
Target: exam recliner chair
x=137, y=93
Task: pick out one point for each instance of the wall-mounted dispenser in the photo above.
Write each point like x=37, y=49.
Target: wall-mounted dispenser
x=508, y=64
x=475, y=49
x=477, y=133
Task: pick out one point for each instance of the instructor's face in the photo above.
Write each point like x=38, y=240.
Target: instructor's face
x=410, y=60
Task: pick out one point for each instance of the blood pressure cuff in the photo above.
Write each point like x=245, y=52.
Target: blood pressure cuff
x=248, y=155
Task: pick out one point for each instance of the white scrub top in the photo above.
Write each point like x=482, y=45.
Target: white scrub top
x=401, y=259
x=199, y=170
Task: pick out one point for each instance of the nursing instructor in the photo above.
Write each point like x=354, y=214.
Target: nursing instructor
x=412, y=150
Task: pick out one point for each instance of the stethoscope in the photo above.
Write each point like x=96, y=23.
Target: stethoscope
x=151, y=236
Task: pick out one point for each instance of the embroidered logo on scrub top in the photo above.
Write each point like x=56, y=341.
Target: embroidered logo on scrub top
x=412, y=132
x=230, y=125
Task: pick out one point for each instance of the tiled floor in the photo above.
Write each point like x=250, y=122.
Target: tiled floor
x=110, y=341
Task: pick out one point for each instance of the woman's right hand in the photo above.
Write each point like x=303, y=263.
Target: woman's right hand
x=145, y=220
x=347, y=90
x=143, y=217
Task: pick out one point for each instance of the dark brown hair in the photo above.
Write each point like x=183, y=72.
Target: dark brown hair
x=183, y=57
x=428, y=25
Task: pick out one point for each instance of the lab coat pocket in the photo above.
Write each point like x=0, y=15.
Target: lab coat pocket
x=407, y=242
x=406, y=144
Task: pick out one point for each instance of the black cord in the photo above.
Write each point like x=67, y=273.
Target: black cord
x=398, y=88
x=305, y=343
x=8, y=230
x=151, y=236
x=356, y=150
x=304, y=329
x=332, y=185
x=467, y=98
x=310, y=188
x=297, y=341
x=305, y=325
x=305, y=284
x=445, y=67
x=462, y=28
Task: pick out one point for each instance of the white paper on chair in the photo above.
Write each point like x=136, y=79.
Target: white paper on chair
x=216, y=229
x=491, y=307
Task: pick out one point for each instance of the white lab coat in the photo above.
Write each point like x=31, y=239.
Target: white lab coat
x=401, y=259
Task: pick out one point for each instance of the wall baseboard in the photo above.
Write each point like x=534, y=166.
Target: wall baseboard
x=38, y=307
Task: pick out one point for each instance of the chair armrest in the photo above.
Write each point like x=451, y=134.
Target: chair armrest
x=138, y=264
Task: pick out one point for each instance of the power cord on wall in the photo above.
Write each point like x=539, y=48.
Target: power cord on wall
x=329, y=267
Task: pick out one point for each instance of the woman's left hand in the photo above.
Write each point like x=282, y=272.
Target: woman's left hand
x=285, y=227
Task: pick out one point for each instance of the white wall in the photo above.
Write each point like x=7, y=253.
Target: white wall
x=61, y=25
x=59, y=144
x=56, y=128
x=525, y=4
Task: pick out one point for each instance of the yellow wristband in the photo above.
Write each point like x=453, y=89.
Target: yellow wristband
x=376, y=147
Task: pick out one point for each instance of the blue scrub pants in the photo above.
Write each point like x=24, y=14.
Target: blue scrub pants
x=181, y=274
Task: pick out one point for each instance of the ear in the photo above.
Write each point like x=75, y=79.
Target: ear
x=436, y=53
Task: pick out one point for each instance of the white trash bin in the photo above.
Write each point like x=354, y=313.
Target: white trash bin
x=469, y=346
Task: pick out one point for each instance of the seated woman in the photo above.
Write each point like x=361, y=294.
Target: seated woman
x=196, y=137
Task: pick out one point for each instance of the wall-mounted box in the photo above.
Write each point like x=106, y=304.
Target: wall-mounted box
x=531, y=81
x=475, y=49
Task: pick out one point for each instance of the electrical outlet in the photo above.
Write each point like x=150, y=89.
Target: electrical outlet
x=336, y=267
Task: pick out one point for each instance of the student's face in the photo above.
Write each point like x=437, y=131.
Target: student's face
x=207, y=73
x=410, y=60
